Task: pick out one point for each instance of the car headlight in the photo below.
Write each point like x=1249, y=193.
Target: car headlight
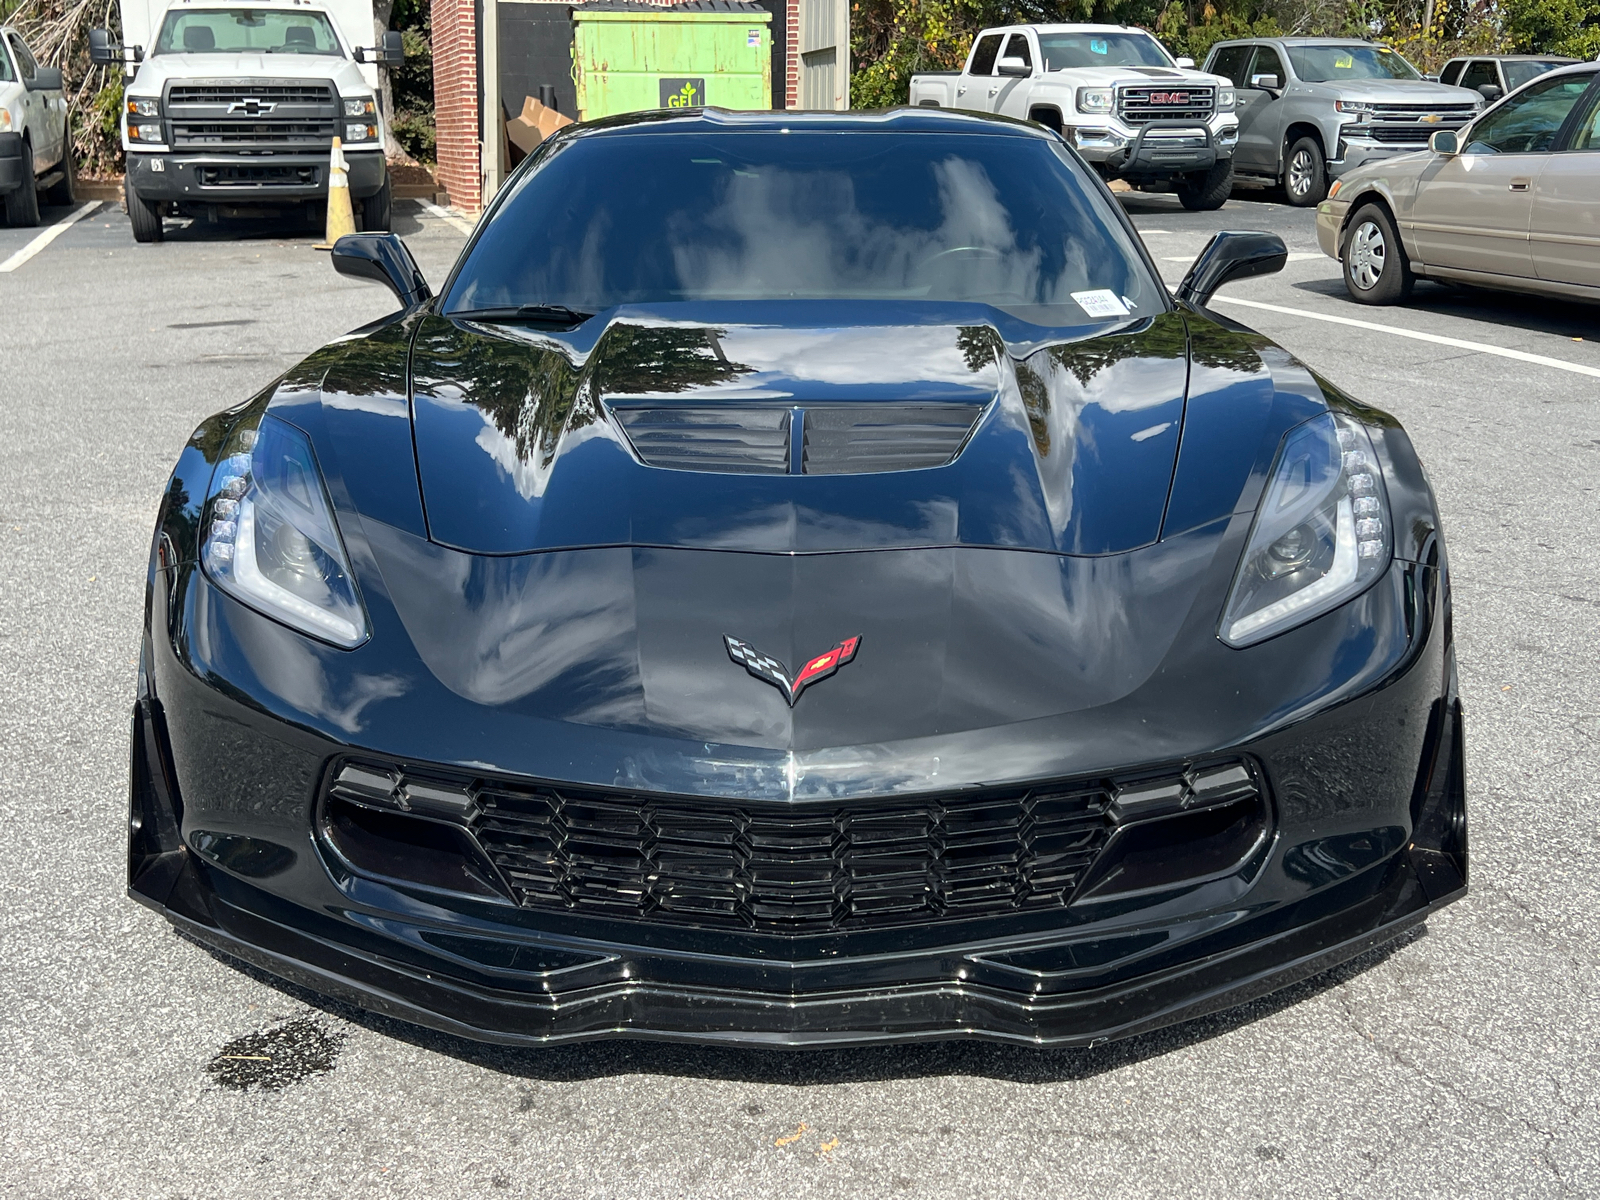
x=1321, y=534
x=359, y=107
x=1353, y=106
x=360, y=133
x=1094, y=100
x=144, y=108
x=270, y=538
x=1227, y=99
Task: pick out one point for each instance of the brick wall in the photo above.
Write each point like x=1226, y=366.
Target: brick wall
x=455, y=100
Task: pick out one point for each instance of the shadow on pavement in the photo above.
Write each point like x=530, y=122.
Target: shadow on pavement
x=578, y=1061
x=1560, y=316
x=285, y=228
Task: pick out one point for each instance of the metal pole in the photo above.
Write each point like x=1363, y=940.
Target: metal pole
x=494, y=168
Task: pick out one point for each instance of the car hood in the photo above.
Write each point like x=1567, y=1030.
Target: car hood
x=1133, y=77
x=523, y=442
x=1399, y=91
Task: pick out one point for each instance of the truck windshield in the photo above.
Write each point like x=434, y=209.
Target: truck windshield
x=1063, y=51
x=1518, y=73
x=1331, y=64
x=659, y=216
x=256, y=30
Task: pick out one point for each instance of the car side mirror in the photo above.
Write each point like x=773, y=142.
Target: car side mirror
x=391, y=52
x=1445, y=141
x=1490, y=91
x=1267, y=83
x=1014, y=67
x=1185, y=62
x=45, y=79
x=1231, y=256
x=382, y=258
x=100, y=51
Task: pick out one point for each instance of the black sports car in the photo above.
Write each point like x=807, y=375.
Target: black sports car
x=804, y=580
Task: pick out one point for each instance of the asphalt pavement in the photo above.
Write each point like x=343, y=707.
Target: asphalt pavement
x=1459, y=1062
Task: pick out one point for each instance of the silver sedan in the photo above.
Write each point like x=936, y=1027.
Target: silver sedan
x=1507, y=202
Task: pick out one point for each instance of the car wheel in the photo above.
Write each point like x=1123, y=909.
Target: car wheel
x=22, y=205
x=375, y=209
x=144, y=216
x=1207, y=191
x=1305, y=175
x=65, y=189
x=1375, y=267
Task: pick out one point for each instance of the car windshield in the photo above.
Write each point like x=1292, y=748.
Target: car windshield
x=258, y=30
x=657, y=216
x=1333, y=64
x=1518, y=73
x=1066, y=50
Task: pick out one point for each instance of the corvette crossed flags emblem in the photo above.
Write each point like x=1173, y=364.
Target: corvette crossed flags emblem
x=765, y=667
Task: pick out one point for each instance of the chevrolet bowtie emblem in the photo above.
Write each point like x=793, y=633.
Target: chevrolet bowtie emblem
x=774, y=672
x=1432, y=119
x=251, y=107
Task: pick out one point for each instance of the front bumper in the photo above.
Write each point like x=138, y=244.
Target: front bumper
x=238, y=179
x=1368, y=837
x=1331, y=216
x=1134, y=153
x=1354, y=153
x=11, y=173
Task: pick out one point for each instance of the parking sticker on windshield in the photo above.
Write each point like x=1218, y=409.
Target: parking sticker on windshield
x=1097, y=45
x=1102, y=303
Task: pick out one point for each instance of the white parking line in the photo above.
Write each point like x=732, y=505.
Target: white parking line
x=448, y=217
x=47, y=236
x=1560, y=364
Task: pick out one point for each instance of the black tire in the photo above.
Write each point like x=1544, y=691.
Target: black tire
x=1207, y=191
x=1305, y=174
x=22, y=204
x=1376, y=268
x=376, y=209
x=143, y=215
x=65, y=189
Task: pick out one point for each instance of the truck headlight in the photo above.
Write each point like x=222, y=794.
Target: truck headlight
x=144, y=133
x=5, y=119
x=1321, y=534
x=144, y=108
x=1227, y=99
x=1094, y=100
x=1353, y=106
x=360, y=133
x=361, y=106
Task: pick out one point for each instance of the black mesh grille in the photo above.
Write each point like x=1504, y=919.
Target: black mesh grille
x=254, y=131
x=896, y=437
x=241, y=93
x=793, y=868
x=744, y=441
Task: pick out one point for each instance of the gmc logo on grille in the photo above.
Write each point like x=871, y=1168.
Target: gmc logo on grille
x=1169, y=97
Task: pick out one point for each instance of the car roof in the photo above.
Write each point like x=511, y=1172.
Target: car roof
x=904, y=119
x=1303, y=41
x=1560, y=58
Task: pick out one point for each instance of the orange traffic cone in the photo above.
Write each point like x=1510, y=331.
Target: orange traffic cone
x=341, y=217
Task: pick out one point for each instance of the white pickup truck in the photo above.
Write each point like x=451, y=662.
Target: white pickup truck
x=1113, y=92
x=35, y=143
x=233, y=106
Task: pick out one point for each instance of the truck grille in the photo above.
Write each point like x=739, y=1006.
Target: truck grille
x=1139, y=105
x=1403, y=124
x=265, y=114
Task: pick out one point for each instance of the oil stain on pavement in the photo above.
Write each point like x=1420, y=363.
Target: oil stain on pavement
x=275, y=1058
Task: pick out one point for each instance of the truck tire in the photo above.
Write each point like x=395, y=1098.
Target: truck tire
x=22, y=205
x=143, y=215
x=1207, y=191
x=65, y=189
x=1305, y=174
x=376, y=209
x=1376, y=267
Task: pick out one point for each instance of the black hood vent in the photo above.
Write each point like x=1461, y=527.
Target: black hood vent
x=839, y=439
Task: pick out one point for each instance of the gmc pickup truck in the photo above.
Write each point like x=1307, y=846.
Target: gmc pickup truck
x=1113, y=92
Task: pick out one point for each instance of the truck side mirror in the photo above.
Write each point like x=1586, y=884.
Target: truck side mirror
x=1490, y=91
x=1186, y=62
x=45, y=79
x=1014, y=67
x=1446, y=142
x=1267, y=83
x=1230, y=256
x=391, y=52
x=382, y=258
x=100, y=51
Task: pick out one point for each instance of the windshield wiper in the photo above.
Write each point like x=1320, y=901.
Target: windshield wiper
x=534, y=314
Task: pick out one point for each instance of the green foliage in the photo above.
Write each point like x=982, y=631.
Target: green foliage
x=1552, y=26
x=412, y=81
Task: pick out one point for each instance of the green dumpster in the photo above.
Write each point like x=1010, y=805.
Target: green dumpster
x=628, y=56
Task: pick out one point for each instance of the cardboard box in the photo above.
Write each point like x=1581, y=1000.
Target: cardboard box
x=536, y=122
